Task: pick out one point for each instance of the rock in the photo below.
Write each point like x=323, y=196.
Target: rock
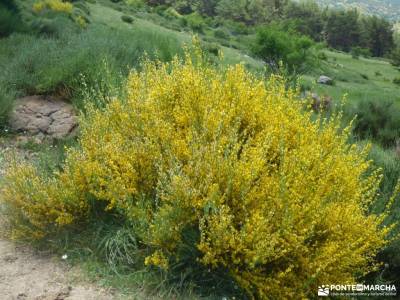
x=44, y=116
x=325, y=80
x=318, y=103
x=64, y=293
x=315, y=97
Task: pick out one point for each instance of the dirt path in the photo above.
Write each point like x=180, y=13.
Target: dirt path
x=26, y=275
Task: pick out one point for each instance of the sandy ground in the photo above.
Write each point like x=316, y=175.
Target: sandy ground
x=26, y=275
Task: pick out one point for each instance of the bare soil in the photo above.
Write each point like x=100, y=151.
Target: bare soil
x=27, y=275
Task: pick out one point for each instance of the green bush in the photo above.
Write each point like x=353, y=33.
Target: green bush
x=54, y=27
x=378, y=120
x=160, y=9
x=211, y=48
x=127, y=19
x=356, y=52
x=322, y=56
x=222, y=33
x=365, y=76
x=274, y=45
x=171, y=13
x=10, y=19
x=183, y=22
x=237, y=27
x=195, y=22
x=396, y=80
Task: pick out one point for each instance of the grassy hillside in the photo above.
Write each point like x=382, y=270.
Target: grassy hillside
x=360, y=79
x=111, y=17
x=69, y=49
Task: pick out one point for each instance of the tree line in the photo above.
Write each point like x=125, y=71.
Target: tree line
x=345, y=30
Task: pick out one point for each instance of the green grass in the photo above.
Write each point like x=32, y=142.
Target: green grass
x=347, y=73
x=32, y=64
x=367, y=85
x=112, y=18
x=107, y=254
x=6, y=104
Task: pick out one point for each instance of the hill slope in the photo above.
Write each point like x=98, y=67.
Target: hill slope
x=386, y=8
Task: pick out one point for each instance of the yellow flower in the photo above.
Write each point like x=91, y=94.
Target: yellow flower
x=54, y=5
x=157, y=259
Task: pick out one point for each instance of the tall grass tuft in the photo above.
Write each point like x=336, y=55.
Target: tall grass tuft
x=7, y=99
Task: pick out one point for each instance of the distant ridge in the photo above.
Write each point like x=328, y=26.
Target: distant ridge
x=389, y=9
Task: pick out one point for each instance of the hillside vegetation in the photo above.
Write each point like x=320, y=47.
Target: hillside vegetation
x=210, y=160
x=386, y=8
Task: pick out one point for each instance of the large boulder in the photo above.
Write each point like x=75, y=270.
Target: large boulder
x=325, y=80
x=44, y=115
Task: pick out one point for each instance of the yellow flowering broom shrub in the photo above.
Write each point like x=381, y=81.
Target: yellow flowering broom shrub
x=36, y=206
x=278, y=200
x=53, y=5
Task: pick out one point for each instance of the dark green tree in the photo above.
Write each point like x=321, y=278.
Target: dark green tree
x=377, y=35
x=251, y=12
x=306, y=17
x=207, y=7
x=342, y=29
x=275, y=45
